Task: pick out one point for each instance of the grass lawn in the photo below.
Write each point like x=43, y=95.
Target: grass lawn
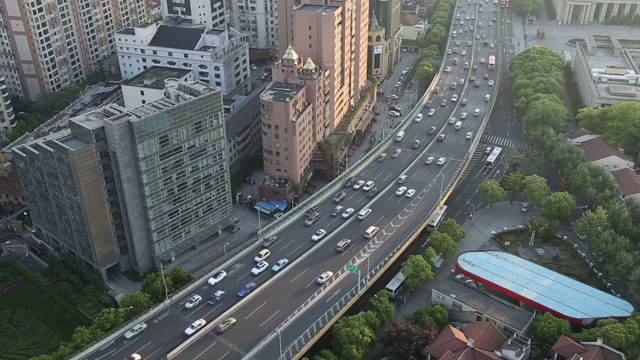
x=32, y=321
x=569, y=263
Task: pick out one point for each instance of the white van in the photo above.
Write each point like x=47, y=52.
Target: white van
x=400, y=136
x=458, y=125
x=342, y=245
x=364, y=213
x=454, y=34
x=371, y=232
x=487, y=98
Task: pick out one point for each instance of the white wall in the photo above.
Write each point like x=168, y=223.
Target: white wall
x=134, y=96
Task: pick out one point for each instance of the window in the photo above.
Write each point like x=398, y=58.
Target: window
x=440, y=297
x=142, y=92
x=456, y=306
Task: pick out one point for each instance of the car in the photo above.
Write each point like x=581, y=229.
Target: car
x=259, y=268
x=402, y=179
x=490, y=82
x=476, y=112
x=441, y=137
x=484, y=36
x=381, y=157
x=463, y=52
x=415, y=144
x=401, y=190
x=254, y=67
x=469, y=135
x=217, y=277
x=246, y=289
x=339, y=197
x=347, y=212
x=491, y=45
x=463, y=115
x=448, y=51
x=463, y=102
x=472, y=78
x=358, y=185
x=410, y=193
x=454, y=98
x=460, y=82
x=467, y=17
x=193, y=302
x=394, y=113
x=495, y=10
x=418, y=118
x=318, y=235
x=431, y=112
x=135, y=330
x=262, y=255
x=368, y=185
x=477, y=84
x=279, y=265
x=474, y=67
x=469, y=43
x=495, y=19
x=396, y=153
x=216, y=296
x=324, y=277
x=457, y=42
x=429, y=160
x=269, y=241
x=431, y=130
x=443, y=102
x=134, y=357
x=485, y=42
x=447, y=69
x=453, y=86
x=337, y=211
x=441, y=161
x=473, y=17
x=195, y=326
x=349, y=182
x=452, y=120
x=486, y=76
x=481, y=60
x=373, y=192
x=225, y=325
x=488, y=150
x=455, y=50
x=477, y=37
x=525, y=207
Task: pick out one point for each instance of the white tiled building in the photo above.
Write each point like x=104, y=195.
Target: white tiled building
x=215, y=56
x=210, y=13
x=259, y=19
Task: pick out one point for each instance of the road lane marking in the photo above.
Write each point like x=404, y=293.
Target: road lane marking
x=212, y=310
x=242, y=277
x=289, y=243
x=109, y=354
x=223, y=356
x=254, y=311
x=205, y=350
x=302, y=272
x=270, y=317
x=294, y=250
x=150, y=355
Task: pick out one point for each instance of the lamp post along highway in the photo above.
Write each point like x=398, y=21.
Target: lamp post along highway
x=225, y=250
x=279, y=341
x=164, y=281
x=354, y=270
x=259, y=225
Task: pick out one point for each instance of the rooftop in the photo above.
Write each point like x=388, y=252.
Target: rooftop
x=627, y=180
x=478, y=341
x=568, y=348
x=495, y=308
x=153, y=78
x=10, y=184
x=540, y=287
x=281, y=92
x=177, y=37
x=318, y=8
x=411, y=20
x=597, y=148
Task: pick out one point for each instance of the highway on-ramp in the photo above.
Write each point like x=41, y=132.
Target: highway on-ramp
x=397, y=216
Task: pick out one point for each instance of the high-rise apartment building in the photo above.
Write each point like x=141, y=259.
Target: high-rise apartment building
x=48, y=44
x=7, y=116
x=210, y=13
x=127, y=188
x=259, y=18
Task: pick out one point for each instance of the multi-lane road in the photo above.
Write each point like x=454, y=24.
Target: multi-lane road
x=272, y=304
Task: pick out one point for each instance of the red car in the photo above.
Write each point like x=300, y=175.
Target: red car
x=381, y=157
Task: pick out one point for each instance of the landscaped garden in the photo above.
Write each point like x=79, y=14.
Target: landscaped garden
x=34, y=319
x=567, y=262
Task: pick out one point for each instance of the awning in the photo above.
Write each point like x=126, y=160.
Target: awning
x=278, y=204
x=264, y=207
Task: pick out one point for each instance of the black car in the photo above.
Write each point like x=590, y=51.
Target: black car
x=269, y=241
x=431, y=130
x=349, y=182
x=441, y=137
x=373, y=192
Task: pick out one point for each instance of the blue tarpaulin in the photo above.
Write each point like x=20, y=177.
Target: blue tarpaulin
x=278, y=204
x=265, y=207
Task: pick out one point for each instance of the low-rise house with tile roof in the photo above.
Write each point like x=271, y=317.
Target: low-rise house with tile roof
x=628, y=184
x=566, y=348
x=598, y=152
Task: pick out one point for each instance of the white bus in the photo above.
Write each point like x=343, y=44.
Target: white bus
x=437, y=220
x=395, y=285
x=493, y=158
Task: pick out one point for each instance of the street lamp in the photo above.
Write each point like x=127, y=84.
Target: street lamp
x=259, y=224
x=225, y=250
x=277, y=331
x=164, y=281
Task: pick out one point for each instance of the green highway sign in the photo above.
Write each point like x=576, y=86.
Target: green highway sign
x=353, y=269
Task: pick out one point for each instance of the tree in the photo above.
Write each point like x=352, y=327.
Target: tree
x=407, y=341
x=136, y=303
x=429, y=254
x=179, y=276
x=535, y=189
x=382, y=307
x=618, y=124
x=512, y=157
x=547, y=329
x=453, y=229
x=350, y=337
x=443, y=243
x=514, y=182
x=634, y=284
x=592, y=224
x=559, y=206
x=622, y=337
x=622, y=221
x=546, y=113
x=109, y=319
x=437, y=314
x=325, y=355
x=492, y=191
x=527, y=7
x=417, y=270
x=567, y=157
x=621, y=267
x=154, y=286
x=542, y=226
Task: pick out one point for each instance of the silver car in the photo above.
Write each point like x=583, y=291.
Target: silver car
x=396, y=153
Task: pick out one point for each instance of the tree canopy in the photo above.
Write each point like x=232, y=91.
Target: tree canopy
x=492, y=191
x=618, y=124
x=417, y=270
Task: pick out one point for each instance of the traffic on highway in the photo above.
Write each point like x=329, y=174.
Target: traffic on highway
x=361, y=223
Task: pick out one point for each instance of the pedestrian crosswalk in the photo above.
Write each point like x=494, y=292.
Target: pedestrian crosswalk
x=503, y=142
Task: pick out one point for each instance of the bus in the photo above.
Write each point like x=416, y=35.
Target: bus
x=437, y=219
x=492, y=62
x=395, y=285
x=493, y=158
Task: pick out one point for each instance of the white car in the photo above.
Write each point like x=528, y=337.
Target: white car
x=394, y=113
x=429, y=160
x=193, y=302
x=358, y=184
x=262, y=255
x=402, y=179
x=525, y=207
x=463, y=52
x=469, y=135
x=347, y=213
x=217, y=277
x=441, y=161
x=324, y=277
x=454, y=98
x=448, y=68
x=463, y=115
x=368, y=185
x=452, y=121
x=418, y=118
x=401, y=190
x=319, y=235
x=410, y=193
x=195, y=326
x=431, y=112
x=259, y=268
x=490, y=82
